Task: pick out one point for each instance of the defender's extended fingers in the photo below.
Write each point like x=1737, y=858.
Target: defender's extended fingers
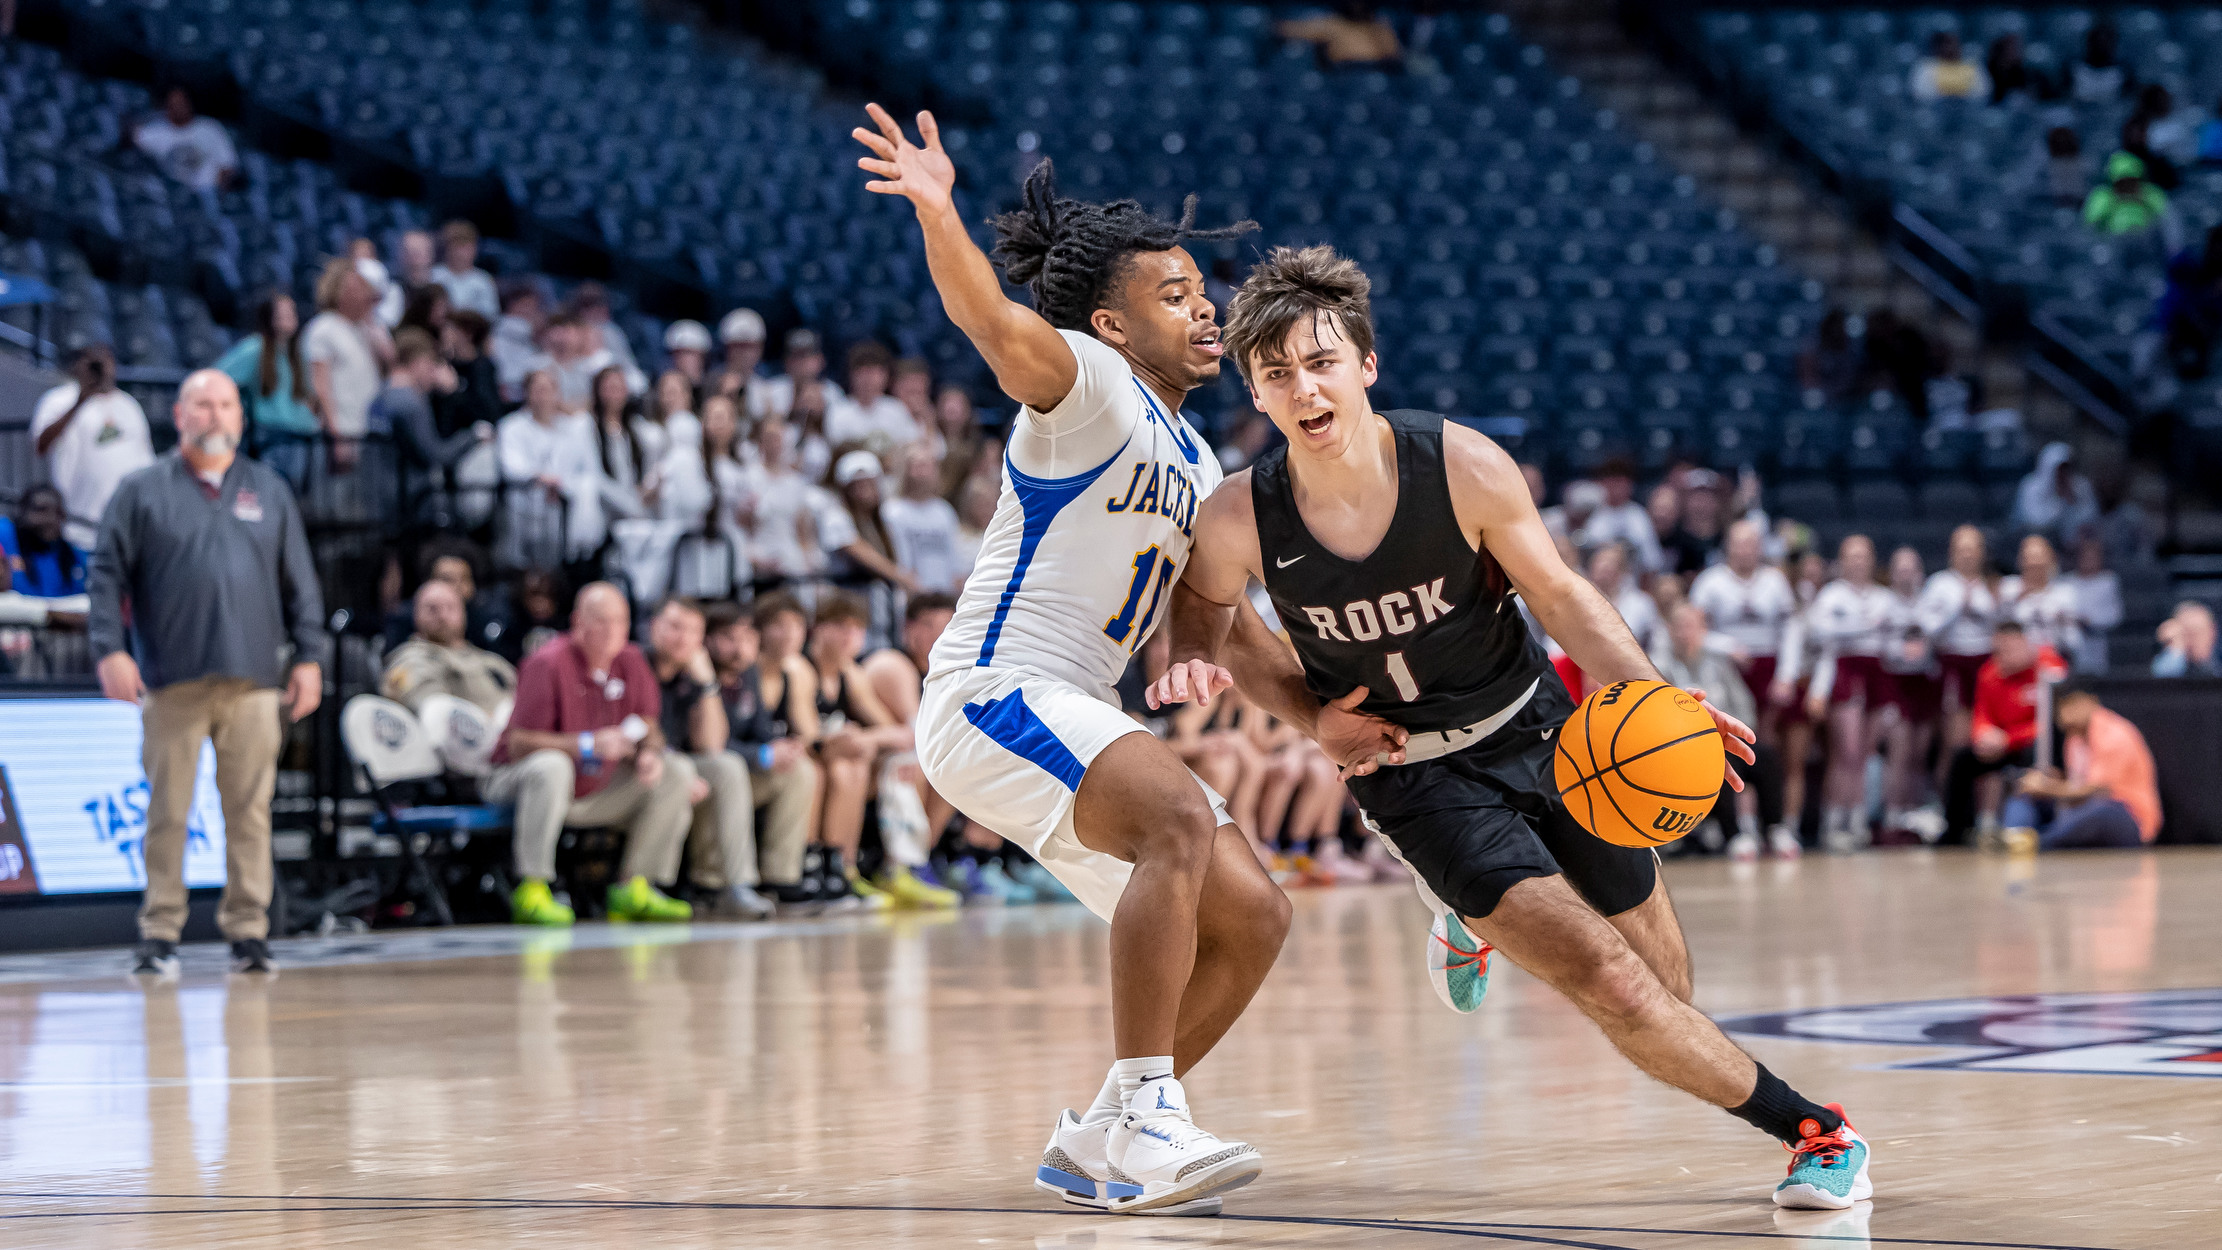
x=887, y=124
x=885, y=169
x=929, y=130
x=875, y=141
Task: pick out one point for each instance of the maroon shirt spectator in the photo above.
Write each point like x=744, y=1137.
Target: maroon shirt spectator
x=559, y=691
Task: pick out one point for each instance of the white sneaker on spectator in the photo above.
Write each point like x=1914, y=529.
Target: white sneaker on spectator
x=1155, y=1144
x=1926, y=823
x=1744, y=847
x=1076, y=1168
x=745, y=902
x=1783, y=842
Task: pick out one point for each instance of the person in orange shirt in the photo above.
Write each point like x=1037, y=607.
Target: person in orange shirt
x=2109, y=795
x=2003, y=735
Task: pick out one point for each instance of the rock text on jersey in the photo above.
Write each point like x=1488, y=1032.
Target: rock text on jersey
x=1392, y=613
x=1157, y=489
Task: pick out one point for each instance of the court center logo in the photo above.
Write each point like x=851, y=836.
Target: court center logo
x=2141, y=1033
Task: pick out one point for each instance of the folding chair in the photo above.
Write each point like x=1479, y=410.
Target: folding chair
x=391, y=749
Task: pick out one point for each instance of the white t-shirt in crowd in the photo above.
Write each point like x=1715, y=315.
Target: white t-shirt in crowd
x=927, y=540
x=565, y=449
x=1629, y=523
x=339, y=343
x=1751, y=611
x=196, y=153
x=775, y=541
x=105, y=442
x=884, y=424
x=473, y=289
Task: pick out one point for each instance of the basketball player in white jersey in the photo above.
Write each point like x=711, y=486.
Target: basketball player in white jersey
x=1018, y=723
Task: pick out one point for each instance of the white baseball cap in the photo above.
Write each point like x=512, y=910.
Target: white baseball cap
x=686, y=336
x=742, y=325
x=855, y=467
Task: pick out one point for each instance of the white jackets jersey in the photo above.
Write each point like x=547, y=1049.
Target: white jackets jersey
x=2049, y=616
x=1958, y=613
x=1093, y=528
x=1851, y=620
x=1751, y=611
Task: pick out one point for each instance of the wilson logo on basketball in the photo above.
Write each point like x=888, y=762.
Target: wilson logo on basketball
x=1632, y=751
x=1674, y=823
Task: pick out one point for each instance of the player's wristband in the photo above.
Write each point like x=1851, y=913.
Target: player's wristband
x=764, y=756
x=586, y=748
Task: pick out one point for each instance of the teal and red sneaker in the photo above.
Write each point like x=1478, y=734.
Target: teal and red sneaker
x=1828, y=1171
x=1457, y=963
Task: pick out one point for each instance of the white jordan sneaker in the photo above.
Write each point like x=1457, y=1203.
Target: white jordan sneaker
x=1155, y=1144
x=1076, y=1168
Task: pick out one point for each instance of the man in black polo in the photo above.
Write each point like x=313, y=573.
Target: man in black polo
x=208, y=552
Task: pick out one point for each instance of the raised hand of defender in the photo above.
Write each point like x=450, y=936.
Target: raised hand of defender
x=922, y=175
x=1358, y=743
x=1736, y=739
x=1190, y=679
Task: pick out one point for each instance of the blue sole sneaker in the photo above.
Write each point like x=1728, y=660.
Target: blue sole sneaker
x=1074, y=1167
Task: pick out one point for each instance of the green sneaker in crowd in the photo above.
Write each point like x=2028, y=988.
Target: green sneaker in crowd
x=638, y=900
x=533, y=903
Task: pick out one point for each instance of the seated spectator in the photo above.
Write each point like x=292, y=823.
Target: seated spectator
x=976, y=501
x=808, y=401
x=2170, y=131
x=343, y=347
x=923, y=529
x=741, y=333
x=2109, y=795
x=722, y=840
x=687, y=343
x=852, y=530
x=456, y=561
x=2190, y=310
x=2187, y=643
x=553, y=479
x=516, y=341
x=2126, y=203
x=590, y=307
x=477, y=395
x=281, y=415
x=2003, y=735
x=2007, y=66
x=855, y=728
x=1947, y=74
x=467, y=285
x=772, y=740
x=1608, y=572
x=625, y=466
x=1352, y=35
x=38, y=560
x=439, y=659
x=1831, y=363
x=568, y=355
x=955, y=439
x=191, y=149
x=2099, y=75
x=1690, y=663
x=872, y=417
x=782, y=538
x=1570, y=517
x=913, y=387
x=2064, y=177
x=2053, y=498
x=536, y=614
x=2098, y=599
x=585, y=746
x=92, y=436
x=1621, y=519
x=2136, y=140
x=427, y=309
x=1695, y=544
x=413, y=263
x=405, y=409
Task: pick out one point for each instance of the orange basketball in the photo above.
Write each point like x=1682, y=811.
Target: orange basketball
x=1639, y=763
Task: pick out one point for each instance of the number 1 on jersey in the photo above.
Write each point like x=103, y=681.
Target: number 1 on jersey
x=1145, y=563
x=1401, y=674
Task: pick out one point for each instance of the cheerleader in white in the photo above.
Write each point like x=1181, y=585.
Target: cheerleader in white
x=1849, y=620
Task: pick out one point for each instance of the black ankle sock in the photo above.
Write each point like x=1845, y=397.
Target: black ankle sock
x=1780, y=1111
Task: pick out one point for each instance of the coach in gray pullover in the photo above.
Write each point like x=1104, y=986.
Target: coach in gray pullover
x=208, y=553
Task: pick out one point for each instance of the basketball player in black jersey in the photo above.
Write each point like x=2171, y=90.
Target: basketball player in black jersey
x=1392, y=545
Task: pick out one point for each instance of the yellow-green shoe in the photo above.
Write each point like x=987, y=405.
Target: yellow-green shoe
x=533, y=903
x=873, y=897
x=908, y=891
x=636, y=900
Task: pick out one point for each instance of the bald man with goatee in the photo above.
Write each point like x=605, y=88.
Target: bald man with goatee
x=207, y=551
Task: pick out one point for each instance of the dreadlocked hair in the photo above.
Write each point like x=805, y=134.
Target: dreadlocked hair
x=1070, y=253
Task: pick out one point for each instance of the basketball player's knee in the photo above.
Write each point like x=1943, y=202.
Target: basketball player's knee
x=1621, y=988
x=1178, y=832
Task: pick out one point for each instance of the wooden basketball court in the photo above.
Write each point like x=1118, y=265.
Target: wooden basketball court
x=889, y=1082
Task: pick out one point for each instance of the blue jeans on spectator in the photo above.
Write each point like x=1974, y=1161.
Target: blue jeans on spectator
x=2096, y=821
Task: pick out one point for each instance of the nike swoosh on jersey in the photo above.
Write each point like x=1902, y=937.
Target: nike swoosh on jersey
x=1282, y=564
x=1546, y=735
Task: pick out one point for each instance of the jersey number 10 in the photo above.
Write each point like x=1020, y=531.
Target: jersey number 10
x=1122, y=627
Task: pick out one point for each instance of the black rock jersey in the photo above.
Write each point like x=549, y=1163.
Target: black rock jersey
x=1426, y=623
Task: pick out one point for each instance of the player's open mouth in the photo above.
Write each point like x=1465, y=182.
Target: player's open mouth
x=1208, y=343
x=1316, y=425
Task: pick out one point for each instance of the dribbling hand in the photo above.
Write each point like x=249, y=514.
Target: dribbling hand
x=922, y=175
x=1736, y=739
x=1190, y=679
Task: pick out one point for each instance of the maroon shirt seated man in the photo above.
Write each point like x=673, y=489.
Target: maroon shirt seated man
x=583, y=748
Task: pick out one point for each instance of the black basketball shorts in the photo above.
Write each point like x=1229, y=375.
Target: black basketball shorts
x=1476, y=821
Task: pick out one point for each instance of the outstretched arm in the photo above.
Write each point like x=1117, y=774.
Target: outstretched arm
x=1493, y=505
x=1212, y=618
x=1031, y=360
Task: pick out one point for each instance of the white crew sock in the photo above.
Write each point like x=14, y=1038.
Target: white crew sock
x=1747, y=823
x=1132, y=1073
x=1108, y=1103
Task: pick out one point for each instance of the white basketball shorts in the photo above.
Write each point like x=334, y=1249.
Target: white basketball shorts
x=1008, y=747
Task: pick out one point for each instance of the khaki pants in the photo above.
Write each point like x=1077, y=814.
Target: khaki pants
x=723, y=845
x=543, y=787
x=241, y=718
